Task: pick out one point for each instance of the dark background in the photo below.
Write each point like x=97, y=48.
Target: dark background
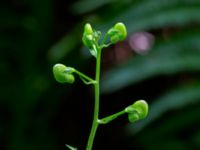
x=37, y=113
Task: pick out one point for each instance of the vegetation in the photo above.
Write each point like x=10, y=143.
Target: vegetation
x=37, y=113
x=137, y=111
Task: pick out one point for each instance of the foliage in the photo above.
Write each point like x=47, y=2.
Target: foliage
x=64, y=74
x=35, y=110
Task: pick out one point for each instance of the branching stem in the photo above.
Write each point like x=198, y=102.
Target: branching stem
x=85, y=78
x=96, y=105
x=111, y=117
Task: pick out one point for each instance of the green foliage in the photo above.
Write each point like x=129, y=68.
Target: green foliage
x=170, y=57
x=63, y=74
x=167, y=57
x=35, y=34
x=70, y=147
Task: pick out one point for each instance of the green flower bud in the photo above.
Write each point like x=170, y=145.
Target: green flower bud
x=63, y=74
x=117, y=33
x=122, y=28
x=88, y=36
x=88, y=29
x=137, y=110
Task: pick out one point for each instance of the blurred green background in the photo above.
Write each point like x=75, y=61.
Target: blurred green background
x=159, y=62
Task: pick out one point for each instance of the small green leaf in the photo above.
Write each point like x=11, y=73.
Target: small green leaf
x=93, y=51
x=71, y=148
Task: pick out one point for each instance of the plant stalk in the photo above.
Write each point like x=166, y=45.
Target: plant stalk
x=111, y=117
x=96, y=105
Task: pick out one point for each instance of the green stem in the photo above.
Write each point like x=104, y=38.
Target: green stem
x=84, y=78
x=111, y=117
x=96, y=105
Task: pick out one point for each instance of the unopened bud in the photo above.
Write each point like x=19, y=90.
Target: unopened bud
x=137, y=110
x=63, y=74
x=117, y=33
